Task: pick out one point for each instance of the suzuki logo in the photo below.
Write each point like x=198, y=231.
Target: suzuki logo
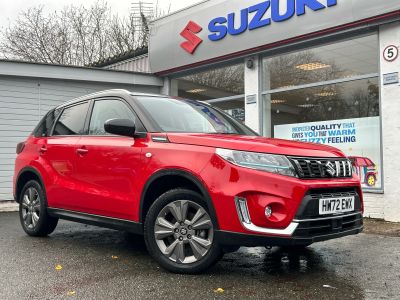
x=261, y=15
x=330, y=169
x=189, y=33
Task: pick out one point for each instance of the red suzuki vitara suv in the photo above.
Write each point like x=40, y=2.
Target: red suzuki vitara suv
x=193, y=180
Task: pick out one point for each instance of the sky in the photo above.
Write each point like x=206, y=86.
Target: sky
x=10, y=9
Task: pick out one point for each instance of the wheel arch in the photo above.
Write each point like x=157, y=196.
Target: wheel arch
x=187, y=177
x=25, y=175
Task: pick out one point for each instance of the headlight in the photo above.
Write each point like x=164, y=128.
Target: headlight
x=272, y=163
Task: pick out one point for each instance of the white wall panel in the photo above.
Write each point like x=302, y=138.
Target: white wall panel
x=390, y=35
x=24, y=101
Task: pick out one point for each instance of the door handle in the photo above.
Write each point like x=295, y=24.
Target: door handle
x=43, y=150
x=82, y=151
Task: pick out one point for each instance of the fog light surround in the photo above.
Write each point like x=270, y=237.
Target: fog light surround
x=268, y=212
x=241, y=206
x=244, y=216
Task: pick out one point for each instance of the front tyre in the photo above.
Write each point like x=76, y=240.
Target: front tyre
x=33, y=211
x=179, y=233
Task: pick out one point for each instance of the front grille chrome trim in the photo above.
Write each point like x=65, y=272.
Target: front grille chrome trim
x=318, y=167
x=328, y=218
x=244, y=217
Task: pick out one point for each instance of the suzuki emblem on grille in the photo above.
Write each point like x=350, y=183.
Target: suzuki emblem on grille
x=331, y=169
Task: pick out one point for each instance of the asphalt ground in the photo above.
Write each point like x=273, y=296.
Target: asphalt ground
x=85, y=262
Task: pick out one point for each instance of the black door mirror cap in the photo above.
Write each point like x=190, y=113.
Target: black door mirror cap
x=123, y=127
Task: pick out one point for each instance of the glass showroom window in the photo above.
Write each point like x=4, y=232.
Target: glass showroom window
x=329, y=95
x=222, y=87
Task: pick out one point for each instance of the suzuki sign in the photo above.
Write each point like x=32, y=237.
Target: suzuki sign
x=255, y=16
x=250, y=18
x=217, y=29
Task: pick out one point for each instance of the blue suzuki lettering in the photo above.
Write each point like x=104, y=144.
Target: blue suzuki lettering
x=244, y=15
x=312, y=4
x=275, y=11
x=260, y=11
x=218, y=29
x=331, y=3
x=255, y=17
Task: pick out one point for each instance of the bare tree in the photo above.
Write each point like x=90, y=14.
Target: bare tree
x=76, y=35
x=229, y=79
x=366, y=101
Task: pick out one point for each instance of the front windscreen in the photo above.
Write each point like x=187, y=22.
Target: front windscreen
x=175, y=115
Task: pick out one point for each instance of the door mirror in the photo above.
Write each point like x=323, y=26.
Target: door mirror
x=124, y=127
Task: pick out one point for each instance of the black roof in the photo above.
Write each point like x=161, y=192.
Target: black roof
x=120, y=57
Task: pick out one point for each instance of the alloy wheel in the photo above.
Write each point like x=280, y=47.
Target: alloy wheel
x=184, y=231
x=31, y=208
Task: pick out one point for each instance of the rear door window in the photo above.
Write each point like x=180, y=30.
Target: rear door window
x=72, y=120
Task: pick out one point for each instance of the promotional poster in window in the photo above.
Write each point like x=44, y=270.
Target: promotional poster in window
x=358, y=138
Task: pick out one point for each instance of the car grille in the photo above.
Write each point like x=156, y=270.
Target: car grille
x=309, y=207
x=311, y=224
x=327, y=194
x=312, y=168
x=318, y=227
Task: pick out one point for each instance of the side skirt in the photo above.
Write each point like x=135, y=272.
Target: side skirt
x=96, y=220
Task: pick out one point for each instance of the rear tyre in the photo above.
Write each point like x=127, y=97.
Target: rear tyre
x=33, y=211
x=179, y=233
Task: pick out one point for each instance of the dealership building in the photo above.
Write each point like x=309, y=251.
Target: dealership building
x=323, y=71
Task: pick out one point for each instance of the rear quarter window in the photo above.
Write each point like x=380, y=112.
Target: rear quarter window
x=72, y=120
x=46, y=124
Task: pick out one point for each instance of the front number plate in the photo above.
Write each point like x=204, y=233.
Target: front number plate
x=336, y=205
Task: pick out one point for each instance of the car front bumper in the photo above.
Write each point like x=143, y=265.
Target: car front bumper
x=306, y=233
